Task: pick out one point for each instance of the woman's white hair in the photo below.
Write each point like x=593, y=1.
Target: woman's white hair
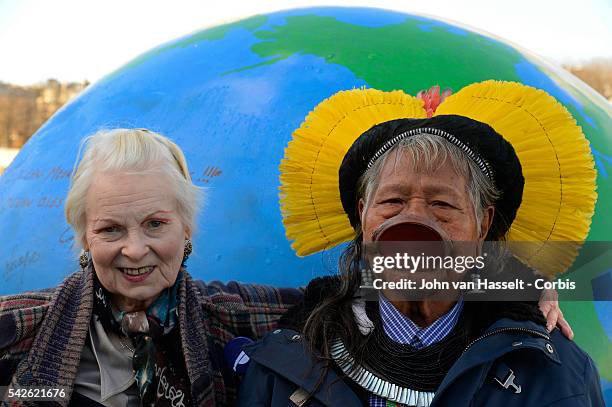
x=134, y=150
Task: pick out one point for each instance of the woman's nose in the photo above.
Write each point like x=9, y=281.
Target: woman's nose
x=135, y=247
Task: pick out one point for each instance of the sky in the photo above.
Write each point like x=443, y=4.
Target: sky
x=76, y=40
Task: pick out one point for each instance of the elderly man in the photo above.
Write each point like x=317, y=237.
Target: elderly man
x=448, y=178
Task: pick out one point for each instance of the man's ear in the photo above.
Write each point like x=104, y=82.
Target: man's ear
x=487, y=221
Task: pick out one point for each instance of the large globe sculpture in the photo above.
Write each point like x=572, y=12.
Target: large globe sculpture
x=231, y=96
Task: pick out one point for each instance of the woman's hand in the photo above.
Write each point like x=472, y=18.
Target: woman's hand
x=549, y=305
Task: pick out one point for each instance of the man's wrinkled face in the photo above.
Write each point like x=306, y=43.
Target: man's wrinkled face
x=135, y=236
x=439, y=197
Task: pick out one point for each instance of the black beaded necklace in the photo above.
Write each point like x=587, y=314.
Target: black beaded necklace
x=401, y=364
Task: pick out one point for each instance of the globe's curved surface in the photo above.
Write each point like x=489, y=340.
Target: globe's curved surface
x=231, y=96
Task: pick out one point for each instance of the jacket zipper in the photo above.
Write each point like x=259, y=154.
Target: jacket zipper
x=501, y=330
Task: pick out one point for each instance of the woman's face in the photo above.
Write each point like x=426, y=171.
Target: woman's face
x=135, y=236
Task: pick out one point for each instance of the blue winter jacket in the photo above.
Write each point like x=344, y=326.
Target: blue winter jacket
x=512, y=364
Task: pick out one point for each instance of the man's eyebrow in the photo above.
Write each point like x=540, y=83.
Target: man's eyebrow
x=443, y=189
x=431, y=189
x=394, y=187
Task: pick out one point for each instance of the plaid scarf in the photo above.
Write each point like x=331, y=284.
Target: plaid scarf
x=161, y=375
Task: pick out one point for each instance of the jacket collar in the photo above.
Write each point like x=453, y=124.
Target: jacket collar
x=511, y=323
x=285, y=352
x=507, y=331
x=193, y=323
x=502, y=337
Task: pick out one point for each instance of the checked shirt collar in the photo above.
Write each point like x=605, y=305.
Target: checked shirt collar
x=401, y=329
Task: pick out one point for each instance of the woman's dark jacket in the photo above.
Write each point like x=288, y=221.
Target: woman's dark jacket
x=547, y=369
x=42, y=334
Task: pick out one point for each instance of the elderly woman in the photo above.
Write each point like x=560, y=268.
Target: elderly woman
x=132, y=328
x=445, y=178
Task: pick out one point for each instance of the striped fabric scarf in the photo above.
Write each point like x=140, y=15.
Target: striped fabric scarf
x=161, y=375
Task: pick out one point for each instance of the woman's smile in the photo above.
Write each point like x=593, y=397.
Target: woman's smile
x=136, y=275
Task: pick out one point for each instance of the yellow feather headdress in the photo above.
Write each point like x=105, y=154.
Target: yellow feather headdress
x=559, y=193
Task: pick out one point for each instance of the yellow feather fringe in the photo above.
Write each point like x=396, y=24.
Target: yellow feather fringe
x=309, y=192
x=559, y=195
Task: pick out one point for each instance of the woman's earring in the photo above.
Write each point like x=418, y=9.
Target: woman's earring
x=84, y=259
x=188, y=249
